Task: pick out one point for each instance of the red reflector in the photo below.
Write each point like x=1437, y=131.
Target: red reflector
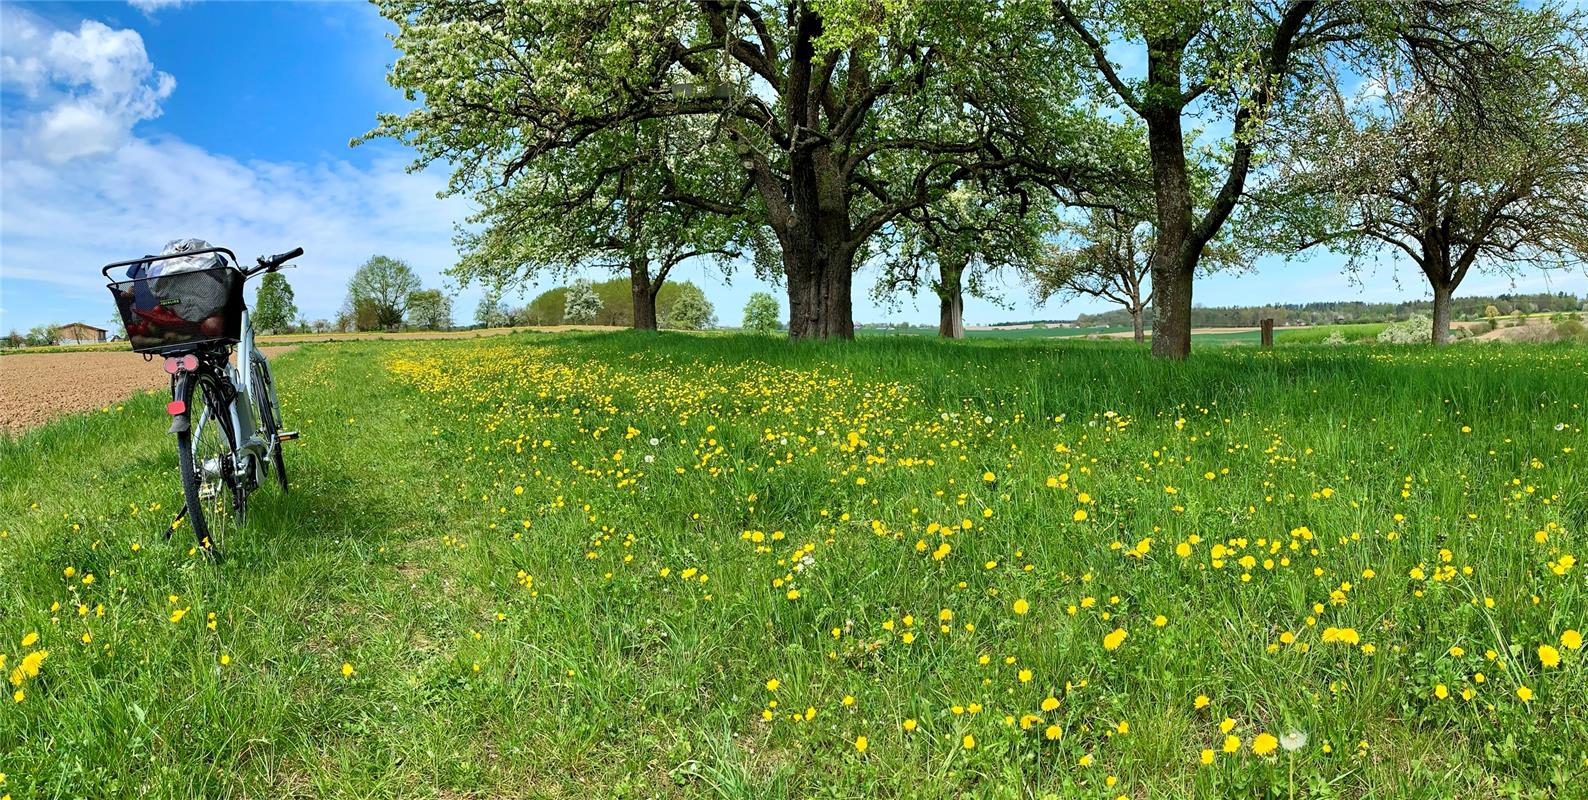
x=190, y=362
x=171, y=365
x=176, y=407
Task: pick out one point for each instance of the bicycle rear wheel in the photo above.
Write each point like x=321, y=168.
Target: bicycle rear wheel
x=215, y=504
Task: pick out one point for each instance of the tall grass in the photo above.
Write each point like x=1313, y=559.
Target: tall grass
x=485, y=534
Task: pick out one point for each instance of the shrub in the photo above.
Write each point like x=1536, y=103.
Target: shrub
x=1571, y=330
x=1335, y=338
x=1417, y=329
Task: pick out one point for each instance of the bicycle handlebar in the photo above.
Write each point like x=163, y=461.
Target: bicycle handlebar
x=281, y=258
x=273, y=263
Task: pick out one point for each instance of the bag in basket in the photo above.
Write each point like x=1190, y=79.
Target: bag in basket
x=182, y=285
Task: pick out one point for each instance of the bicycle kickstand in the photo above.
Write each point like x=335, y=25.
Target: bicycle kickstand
x=176, y=522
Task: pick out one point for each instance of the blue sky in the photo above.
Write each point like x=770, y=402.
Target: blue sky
x=125, y=125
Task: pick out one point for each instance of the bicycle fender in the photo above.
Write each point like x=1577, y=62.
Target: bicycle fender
x=177, y=408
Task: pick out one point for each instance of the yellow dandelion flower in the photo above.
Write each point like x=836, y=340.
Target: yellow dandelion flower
x=1113, y=640
x=1264, y=744
x=1548, y=656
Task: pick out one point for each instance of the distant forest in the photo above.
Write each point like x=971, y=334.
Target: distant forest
x=1328, y=313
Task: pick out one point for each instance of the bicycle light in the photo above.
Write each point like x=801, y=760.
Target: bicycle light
x=188, y=362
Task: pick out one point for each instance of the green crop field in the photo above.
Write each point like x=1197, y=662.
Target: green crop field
x=994, y=333
x=626, y=565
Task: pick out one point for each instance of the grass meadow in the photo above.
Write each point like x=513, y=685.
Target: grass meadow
x=625, y=565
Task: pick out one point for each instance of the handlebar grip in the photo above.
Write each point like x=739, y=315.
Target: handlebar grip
x=290, y=254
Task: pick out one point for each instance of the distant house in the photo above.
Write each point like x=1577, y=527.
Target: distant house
x=81, y=333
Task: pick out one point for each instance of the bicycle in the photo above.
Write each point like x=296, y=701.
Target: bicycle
x=226, y=416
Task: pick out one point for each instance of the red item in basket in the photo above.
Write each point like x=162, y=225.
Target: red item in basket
x=163, y=317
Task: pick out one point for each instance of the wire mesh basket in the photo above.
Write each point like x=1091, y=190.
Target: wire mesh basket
x=181, y=310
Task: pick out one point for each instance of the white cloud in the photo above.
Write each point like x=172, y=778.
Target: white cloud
x=78, y=188
x=84, y=90
x=151, y=6
x=59, y=222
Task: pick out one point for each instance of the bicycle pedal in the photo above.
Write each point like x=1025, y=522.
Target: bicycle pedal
x=286, y=436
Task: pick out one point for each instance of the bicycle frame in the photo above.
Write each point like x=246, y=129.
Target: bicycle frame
x=253, y=451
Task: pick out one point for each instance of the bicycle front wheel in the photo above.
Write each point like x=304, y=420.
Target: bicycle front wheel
x=215, y=502
x=270, y=415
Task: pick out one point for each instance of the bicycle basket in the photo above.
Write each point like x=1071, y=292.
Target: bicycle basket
x=181, y=310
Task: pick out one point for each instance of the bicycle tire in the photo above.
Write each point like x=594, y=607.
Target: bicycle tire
x=225, y=507
x=269, y=419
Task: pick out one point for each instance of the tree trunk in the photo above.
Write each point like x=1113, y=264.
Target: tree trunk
x=951, y=301
x=819, y=264
x=1174, y=257
x=1443, y=277
x=1136, y=320
x=1442, y=295
x=644, y=295
x=1171, y=311
x=818, y=295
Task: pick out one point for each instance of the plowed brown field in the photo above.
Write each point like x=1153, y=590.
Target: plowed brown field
x=37, y=387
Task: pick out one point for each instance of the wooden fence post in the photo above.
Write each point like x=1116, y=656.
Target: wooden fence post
x=1268, y=333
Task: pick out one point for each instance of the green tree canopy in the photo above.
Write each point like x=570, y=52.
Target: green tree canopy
x=1494, y=181
x=274, y=309
x=761, y=313
x=548, y=306
x=1235, y=66
x=836, y=120
x=612, y=203
x=383, y=285
x=582, y=304
x=691, y=311
x=490, y=312
x=429, y=309
x=952, y=245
